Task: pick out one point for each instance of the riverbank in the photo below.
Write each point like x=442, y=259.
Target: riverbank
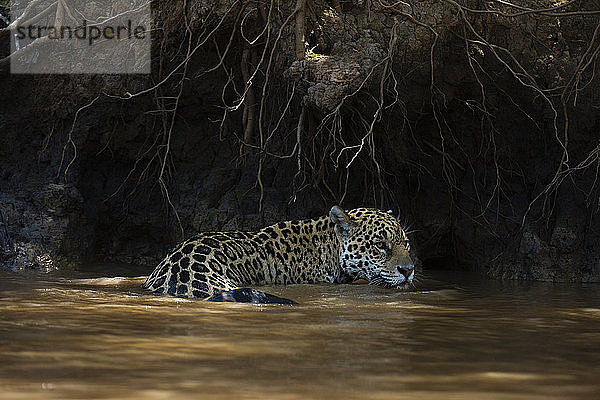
x=488, y=142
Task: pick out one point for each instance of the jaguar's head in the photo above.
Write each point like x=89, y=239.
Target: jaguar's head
x=373, y=246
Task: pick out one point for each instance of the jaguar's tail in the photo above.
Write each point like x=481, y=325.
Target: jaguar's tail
x=247, y=295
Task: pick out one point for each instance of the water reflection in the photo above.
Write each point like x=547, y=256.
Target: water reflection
x=88, y=336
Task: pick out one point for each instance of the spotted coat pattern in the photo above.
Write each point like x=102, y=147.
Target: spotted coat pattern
x=362, y=243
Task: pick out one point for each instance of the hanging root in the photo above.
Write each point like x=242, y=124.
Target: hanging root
x=272, y=120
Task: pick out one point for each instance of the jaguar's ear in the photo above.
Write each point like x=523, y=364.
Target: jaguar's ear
x=342, y=222
x=394, y=211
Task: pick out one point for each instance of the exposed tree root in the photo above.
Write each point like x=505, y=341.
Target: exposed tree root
x=331, y=146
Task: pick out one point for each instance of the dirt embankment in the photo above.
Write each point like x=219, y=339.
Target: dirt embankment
x=479, y=119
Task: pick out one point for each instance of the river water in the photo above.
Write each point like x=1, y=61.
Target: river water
x=456, y=336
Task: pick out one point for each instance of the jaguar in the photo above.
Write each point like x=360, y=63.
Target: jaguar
x=342, y=247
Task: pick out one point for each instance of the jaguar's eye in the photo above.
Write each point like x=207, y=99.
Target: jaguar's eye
x=381, y=246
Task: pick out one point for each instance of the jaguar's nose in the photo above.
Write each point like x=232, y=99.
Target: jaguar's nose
x=405, y=270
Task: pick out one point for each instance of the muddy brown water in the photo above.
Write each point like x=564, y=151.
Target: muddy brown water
x=91, y=335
